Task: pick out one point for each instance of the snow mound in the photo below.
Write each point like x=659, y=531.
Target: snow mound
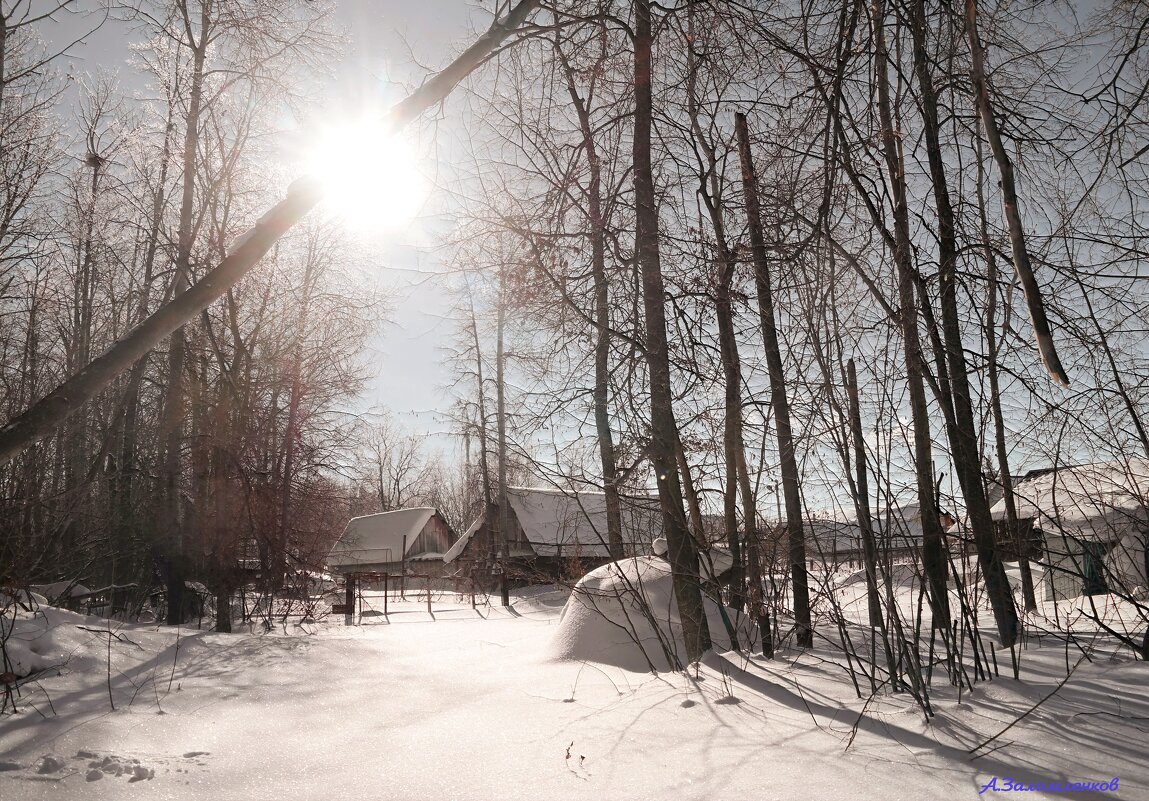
x=23, y=599
x=52, y=640
x=899, y=575
x=624, y=614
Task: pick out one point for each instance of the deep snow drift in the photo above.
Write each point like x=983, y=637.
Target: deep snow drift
x=474, y=704
x=624, y=614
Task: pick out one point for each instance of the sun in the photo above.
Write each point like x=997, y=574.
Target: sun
x=370, y=177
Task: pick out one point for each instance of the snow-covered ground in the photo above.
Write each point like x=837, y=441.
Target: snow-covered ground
x=477, y=704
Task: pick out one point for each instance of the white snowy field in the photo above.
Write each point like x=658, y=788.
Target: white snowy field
x=474, y=705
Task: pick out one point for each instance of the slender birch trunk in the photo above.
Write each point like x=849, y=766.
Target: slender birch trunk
x=682, y=552
x=779, y=401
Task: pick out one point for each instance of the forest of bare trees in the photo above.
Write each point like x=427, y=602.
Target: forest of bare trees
x=797, y=260
x=215, y=450
x=777, y=262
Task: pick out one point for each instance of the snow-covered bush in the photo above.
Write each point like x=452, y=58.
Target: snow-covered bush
x=624, y=614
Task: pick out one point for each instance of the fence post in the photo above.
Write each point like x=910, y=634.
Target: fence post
x=349, y=600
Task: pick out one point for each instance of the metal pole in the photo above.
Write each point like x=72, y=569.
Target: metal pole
x=349, y=600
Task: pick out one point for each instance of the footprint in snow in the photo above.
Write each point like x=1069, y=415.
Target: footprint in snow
x=112, y=765
x=576, y=764
x=49, y=763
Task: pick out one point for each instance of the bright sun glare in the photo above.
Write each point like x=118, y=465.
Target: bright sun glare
x=369, y=176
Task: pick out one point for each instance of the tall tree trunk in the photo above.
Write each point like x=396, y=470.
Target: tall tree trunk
x=124, y=522
x=501, y=423
x=733, y=446
x=172, y=422
x=77, y=351
x=602, y=320
x=862, y=497
x=993, y=346
x=278, y=551
x=779, y=402
x=963, y=434
x=663, y=430
x=933, y=538
x=484, y=448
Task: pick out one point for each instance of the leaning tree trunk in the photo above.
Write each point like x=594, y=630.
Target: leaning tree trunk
x=42, y=417
x=993, y=347
x=1021, y=263
x=779, y=402
x=663, y=432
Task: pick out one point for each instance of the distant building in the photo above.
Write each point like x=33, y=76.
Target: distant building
x=396, y=542
x=1090, y=524
x=897, y=536
x=551, y=534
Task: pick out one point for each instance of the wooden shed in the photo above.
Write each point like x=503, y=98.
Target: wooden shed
x=400, y=541
x=552, y=534
x=1092, y=523
x=830, y=542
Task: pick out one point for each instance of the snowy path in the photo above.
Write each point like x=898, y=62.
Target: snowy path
x=471, y=708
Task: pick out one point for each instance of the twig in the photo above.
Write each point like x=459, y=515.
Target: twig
x=111, y=633
x=1025, y=714
x=858, y=722
x=175, y=656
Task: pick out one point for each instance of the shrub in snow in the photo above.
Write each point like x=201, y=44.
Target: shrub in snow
x=624, y=614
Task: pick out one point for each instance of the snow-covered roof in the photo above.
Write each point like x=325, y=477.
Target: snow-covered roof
x=429, y=556
x=372, y=539
x=893, y=528
x=557, y=522
x=61, y=590
x=829, y=537
x=1098, y=501
x=455, y=550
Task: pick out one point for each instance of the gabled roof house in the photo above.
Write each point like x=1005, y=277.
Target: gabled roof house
x=551, y=531
x=393, y=542
x=1092, y=521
